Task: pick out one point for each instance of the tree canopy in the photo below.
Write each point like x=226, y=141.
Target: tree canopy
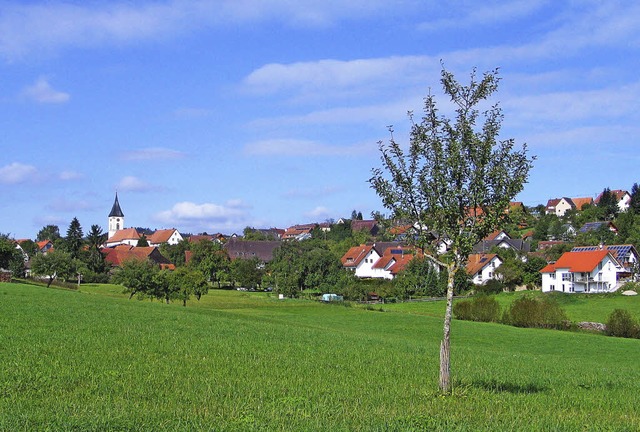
x=455, y=178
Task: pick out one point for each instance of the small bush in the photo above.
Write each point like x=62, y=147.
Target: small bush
x=481, y=308
x=622, y=324
x=536, y=313
x=492, y=286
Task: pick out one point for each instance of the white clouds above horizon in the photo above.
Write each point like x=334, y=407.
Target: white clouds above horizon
x=319, y=214
x=205, y=216
x=70, y=175
x=16, y=173
x=42, y=92
x=25, y=28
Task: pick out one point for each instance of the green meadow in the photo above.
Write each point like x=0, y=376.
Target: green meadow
x=92, y=360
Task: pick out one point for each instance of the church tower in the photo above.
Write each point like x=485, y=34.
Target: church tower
x=116, y=218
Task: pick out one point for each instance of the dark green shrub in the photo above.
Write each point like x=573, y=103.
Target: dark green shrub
x=622, y=324
x=481, y=308
x=485, y=309
x=536, y=313
x=462, y=310
x=492, y=286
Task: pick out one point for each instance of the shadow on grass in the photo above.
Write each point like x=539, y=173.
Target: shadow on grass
x=508, y=387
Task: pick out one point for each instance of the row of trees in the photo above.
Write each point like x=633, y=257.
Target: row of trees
x=145, y=279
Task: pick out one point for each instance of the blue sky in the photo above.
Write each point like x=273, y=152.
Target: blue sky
x=217, y=115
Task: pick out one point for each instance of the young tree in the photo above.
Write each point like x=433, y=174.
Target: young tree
x=137, y=276
x=456, y=178
x=55, y=264
x=247, y=272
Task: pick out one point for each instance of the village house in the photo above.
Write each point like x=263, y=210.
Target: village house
x=169, y=236
x=595, y=226
x=371, y=227
x=622, y=197
x=502, y=240
x=126, y=236
x=381, y=260
x=560, y=206
x=117, y=255
x=625, y=254
x=582, y=272
x=481, y=267
x=247, y=249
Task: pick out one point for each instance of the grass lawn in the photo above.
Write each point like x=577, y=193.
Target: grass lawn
x=93, y=360
x=579, y=307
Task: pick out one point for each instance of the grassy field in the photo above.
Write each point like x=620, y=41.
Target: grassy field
x=579, y=307
x=93, y=360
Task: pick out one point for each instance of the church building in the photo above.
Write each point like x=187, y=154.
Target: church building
x=116, y=218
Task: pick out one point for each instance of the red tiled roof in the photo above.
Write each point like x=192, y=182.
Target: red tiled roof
x=578, y=262
x=124, y=234
x=42, y=244
x=358, y=225
x=397, y=260
x=161, y=236
x=121, y=253
x=399, y=229
x=495, y=234
x=477, y=262
x=354, y=255
x=580, y=202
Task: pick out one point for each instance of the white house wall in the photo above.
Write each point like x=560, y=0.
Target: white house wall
x=607, y=274
x=365, y=267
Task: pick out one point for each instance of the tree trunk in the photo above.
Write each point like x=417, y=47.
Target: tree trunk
x=445, y=345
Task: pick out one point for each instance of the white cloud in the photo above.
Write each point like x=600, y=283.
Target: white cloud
x=152, y=153
x=42, y=92
x=564, y=108
x=16, y=173
x=319, y=213
x=134, y=184
x=206, y=216
x=70, y=175
x=339, y=75
x=53, y=25
x=293, y=147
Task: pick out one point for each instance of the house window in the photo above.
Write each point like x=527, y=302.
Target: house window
x=553, y=276
x=489, y=275
x=552, y=287
x=566, y=276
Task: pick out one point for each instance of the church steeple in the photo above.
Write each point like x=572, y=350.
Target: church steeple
x=116, y=218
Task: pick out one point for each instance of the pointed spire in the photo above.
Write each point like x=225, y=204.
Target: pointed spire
x=115, y=210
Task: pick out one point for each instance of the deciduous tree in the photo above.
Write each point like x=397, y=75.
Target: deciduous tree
x=455, y=178
x=137, y=276
x=54, y=264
